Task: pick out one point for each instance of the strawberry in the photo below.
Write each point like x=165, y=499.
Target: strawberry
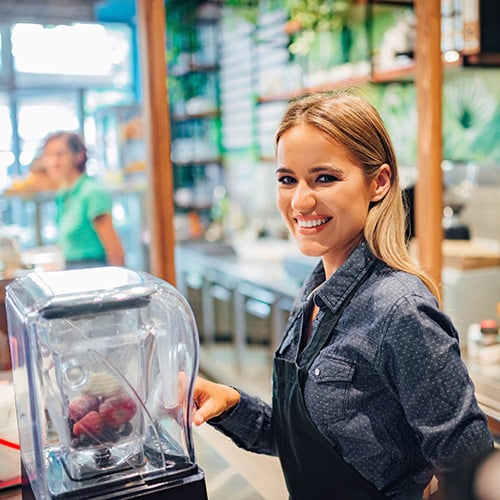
x=117, y=410
x=90, y=425
x=81, y=405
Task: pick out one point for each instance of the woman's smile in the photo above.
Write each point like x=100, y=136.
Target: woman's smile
x=311, y=225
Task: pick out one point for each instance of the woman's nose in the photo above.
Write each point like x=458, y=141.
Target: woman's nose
x=303, y=198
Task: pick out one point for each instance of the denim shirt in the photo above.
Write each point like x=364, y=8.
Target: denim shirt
x=389, y=391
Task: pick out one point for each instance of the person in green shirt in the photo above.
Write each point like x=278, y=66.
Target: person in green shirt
x=86, y=233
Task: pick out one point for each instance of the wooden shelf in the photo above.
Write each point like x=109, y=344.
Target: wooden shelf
x=196, y=116
x=267, y=159
x=389, y=2
x=401, y=74
x=324, y=87
x=194, y=68
x=196, y=163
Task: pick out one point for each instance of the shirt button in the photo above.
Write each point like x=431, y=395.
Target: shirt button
x=317, y=371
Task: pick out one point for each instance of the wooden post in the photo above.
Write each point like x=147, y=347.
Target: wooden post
x=151, y=32
x=429, y=186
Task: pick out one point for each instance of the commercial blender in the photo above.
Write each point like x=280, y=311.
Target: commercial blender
x=104, y=361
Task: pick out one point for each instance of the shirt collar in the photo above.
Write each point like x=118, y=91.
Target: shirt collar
x=332, y=291
x=75, y=187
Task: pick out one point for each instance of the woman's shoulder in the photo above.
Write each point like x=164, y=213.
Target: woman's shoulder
x=395, y=285
x=92, y=186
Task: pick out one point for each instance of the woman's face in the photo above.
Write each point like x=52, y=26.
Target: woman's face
x=60, y=161
x=322, y=195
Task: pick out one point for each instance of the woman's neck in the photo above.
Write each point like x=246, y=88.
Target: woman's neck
x=72, y=177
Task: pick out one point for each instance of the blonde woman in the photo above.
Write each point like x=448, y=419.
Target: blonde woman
x=370, y=396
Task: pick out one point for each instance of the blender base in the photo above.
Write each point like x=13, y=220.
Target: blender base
x=192, y=487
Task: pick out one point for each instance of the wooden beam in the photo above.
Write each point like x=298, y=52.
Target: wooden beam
x=429, y=186
x=151, y=31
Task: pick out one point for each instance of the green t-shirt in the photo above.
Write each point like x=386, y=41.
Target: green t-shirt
x=77, y=208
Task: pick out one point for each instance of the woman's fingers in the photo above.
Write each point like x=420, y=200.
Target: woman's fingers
x=212, y=399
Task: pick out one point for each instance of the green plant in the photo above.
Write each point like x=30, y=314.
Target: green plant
x=308, y=17
x=320, y=15
x=248, y=9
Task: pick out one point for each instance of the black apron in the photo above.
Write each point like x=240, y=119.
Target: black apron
x=312, y=467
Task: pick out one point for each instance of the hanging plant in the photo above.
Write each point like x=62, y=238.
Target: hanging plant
x=248, y=9
x=308, y=17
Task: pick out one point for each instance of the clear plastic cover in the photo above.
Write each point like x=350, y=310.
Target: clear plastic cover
x=104, y=362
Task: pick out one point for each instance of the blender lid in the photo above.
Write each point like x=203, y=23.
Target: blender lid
x=78, y=292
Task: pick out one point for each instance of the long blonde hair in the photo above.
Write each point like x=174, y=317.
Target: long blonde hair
x=355, y=124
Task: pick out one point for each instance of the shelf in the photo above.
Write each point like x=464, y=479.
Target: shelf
x=193, y=206
x=194, y=68
x=403, y=3
x=196, y=163
x=401, y=74
x=286, y=96
x=267, y=159
x=196, y=116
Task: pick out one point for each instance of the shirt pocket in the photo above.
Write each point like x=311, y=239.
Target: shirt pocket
x=328, y=386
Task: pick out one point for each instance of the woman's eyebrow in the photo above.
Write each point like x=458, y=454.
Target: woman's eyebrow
x=314, y=170
x=283, y=170
x=328, y=168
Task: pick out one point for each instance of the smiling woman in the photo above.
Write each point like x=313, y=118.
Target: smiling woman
x=323, y=195
x=340, y=125
x=370, y=396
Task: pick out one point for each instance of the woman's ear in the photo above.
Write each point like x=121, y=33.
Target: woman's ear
x=381, y=183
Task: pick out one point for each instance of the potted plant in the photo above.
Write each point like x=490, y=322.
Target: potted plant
x=310, y=18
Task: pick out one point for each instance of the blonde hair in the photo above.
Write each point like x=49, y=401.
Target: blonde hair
x=355, y=124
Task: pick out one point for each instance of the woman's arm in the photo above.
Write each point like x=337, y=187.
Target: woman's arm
x=421, y=364
x=103, y=225
x=243, y=418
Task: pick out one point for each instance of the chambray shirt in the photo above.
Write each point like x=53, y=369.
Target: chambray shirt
x=389, y=391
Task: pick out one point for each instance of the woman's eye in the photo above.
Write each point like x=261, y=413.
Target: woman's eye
x=286, y=179
x=326, y=178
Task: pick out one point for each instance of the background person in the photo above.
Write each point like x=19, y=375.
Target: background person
x=370, y=395
x=86, y=233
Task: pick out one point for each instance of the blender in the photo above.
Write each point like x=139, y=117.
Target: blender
x=460, y=181
x=104, y=361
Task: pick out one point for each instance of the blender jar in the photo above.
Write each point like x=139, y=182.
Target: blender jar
x=104, y=362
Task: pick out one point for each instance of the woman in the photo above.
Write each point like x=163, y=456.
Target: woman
x=85, y=226
x=370, y=396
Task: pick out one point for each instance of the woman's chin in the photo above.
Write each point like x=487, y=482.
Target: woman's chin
x=310, y=250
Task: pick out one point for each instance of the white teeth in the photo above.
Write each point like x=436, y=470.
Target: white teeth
x=311, y=223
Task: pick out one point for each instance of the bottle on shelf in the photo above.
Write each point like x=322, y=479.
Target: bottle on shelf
x=483, y=344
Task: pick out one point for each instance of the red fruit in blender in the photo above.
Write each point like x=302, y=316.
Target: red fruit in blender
x=117, y=410
x=90, y=425
x=81, y=405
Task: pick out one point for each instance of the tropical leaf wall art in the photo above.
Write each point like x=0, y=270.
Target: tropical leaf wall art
x=470, y=111
x=399, y=112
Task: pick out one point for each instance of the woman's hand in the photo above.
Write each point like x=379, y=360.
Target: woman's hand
x=212, y=399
